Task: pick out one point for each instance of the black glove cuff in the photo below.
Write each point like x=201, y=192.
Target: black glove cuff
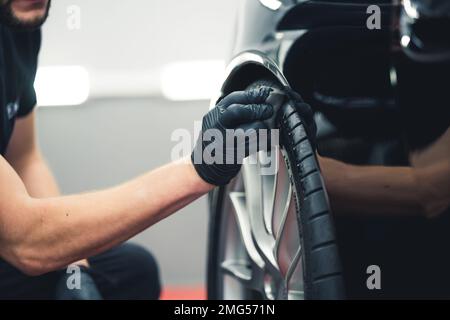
x=208, y=173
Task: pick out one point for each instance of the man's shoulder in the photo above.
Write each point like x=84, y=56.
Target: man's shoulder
x=26, y=43
x=19, y=51
x=23, y=44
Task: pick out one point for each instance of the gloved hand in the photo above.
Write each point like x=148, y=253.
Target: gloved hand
x=240, y=114
x=306, y=114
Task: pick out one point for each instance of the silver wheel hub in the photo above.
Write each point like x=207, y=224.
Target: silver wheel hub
x=260, y=239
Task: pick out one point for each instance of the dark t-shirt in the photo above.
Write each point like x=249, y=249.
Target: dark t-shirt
x=18, y=62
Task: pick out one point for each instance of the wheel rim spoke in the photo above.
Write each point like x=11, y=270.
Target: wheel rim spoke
x=265, y=218
x=264, y=242
x=293, y=265
x=269, y=186
x=296, y=295
x=294, y=279
x=238, y=269
x=282, y=197
x=289, y=240
x=282, y=223
x=238, y=200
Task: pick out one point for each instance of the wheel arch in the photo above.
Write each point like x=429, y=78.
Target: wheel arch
x=246, y=68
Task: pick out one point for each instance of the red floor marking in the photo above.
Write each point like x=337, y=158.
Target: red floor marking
x=183, y=293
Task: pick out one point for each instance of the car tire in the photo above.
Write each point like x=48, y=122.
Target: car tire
x=322, y=271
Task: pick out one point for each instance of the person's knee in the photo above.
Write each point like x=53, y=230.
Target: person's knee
x=145, y=269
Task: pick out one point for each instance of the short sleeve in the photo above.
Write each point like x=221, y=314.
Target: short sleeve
x=30, y=45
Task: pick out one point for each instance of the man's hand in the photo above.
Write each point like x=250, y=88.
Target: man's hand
x=240, y=114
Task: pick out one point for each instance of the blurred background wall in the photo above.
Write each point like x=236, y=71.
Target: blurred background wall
x=135, y=55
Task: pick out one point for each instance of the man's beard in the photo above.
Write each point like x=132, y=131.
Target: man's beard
x=7, y=17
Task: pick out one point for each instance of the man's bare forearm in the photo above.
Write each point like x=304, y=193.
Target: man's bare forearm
x=47, y=234
x=372, y=190
x=39, y=180
x=25, y=157
x=41, y=235
x=37, y=177
x=422, y=189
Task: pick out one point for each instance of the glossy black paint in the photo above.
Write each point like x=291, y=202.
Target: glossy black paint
x=325, y=51
x=350, y=76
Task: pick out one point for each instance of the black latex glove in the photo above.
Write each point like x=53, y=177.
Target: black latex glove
x=244, y=110
x=306, y=114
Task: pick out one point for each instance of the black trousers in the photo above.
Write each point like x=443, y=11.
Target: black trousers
x=412, y=253
x=125, y=272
